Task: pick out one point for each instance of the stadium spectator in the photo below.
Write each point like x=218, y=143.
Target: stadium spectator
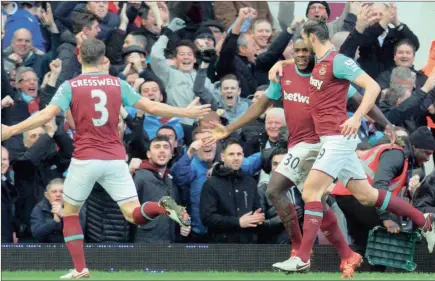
x=26, y=16
x=378, y=49
x=66, y=13
x=387, y=169
x=46, y=219
x=47, y=156
x=152, y=90
x=229, y=202
x=191, y=172
x=262, y=33
x=424, y=198
x=178, y=82
x=405, y=106
x=84, y=25
x=238, y=55
x=256, y=128
x=153, y=181
x=274, y=121
x=177, y=150
x=227, y=12
x=9, y=195
x=227, y=99
x=21, y=52
x=404, y=56
x=149, y=23
x=27, y=99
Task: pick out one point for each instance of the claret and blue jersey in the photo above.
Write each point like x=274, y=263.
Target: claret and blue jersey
x=95, y=100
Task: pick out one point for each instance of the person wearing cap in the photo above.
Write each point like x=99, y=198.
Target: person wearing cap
x=205, y=42
x=216, y=27
x=390, y=168
x=346, y=22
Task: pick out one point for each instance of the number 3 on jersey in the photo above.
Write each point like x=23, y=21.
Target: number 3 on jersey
x=100, y=106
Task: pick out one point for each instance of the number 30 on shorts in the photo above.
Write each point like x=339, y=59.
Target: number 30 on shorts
x=292, y=162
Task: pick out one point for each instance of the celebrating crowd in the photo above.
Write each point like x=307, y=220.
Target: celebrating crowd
x=230, y=55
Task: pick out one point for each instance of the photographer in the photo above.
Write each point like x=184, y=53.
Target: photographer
x=206, y=44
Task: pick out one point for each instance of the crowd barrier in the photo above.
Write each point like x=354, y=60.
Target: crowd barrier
x=178, y=257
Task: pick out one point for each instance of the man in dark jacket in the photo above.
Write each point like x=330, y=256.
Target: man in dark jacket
x=47, y=217
x=48, y=155
x=229, y=204
x=153, y=181
x=9, y=195
x=21, y=51
x=377, y=49
x=424, y=198
x=238, y=56
x=66, y=13
x=85, y=25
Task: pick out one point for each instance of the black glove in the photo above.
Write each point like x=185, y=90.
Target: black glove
x=208, y=55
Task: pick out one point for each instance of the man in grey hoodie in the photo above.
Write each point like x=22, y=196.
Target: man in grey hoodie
x=177, y=79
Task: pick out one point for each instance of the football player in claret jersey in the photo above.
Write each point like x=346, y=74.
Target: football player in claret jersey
x=304, y=144
x=95, y=99
x=329, y=84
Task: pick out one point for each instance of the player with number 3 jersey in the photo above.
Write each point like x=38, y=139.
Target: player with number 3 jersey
x=95, y=99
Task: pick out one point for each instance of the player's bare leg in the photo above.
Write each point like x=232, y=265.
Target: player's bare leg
x=73, y=235
x=137, y=214
x=384, y=200
x=276, y=192
x=314, y=188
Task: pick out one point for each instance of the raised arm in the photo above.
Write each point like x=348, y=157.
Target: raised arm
x=60, y=102
x=131, y=98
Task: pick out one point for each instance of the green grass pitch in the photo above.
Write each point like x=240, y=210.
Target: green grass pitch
x=137, y=275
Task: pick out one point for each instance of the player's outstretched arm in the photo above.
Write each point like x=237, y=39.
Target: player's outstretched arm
x=251, y=114
x=34, y=121
x=221, y=132
x=193, y=111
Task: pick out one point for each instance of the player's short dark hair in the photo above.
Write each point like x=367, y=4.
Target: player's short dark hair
x=168, y=128
x=230, y=141
x=318, y=27
x=229, y=77
x=262, y=88
x=82, y=19
x=92, y=51
x=405, y=42
x=185, y=43
x=158, y=139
